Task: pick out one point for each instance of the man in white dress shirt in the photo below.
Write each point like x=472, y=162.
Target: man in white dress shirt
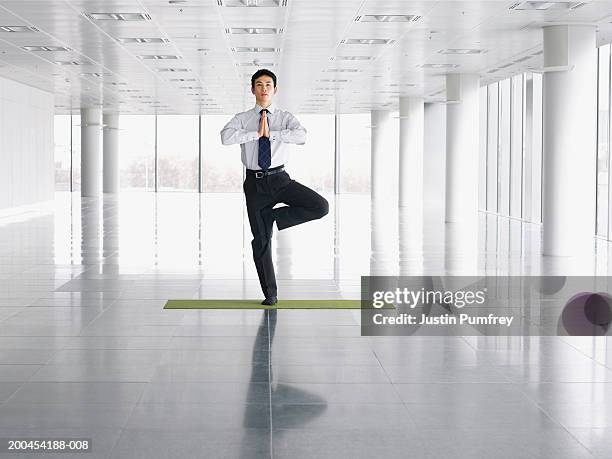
x=262, y=133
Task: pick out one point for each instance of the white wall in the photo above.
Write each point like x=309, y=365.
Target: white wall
x=434, y=158
x=26, y=144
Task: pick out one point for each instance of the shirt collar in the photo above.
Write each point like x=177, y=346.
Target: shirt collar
x=271, y=108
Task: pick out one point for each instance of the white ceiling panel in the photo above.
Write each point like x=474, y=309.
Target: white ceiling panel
x=208, y=76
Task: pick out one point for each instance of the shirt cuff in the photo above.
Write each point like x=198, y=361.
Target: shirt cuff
x=254, y=135
x=275, y=136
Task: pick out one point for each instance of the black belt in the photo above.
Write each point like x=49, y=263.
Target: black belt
x=260, y=174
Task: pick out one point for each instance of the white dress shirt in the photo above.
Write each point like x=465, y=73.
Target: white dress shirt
x=243, y=128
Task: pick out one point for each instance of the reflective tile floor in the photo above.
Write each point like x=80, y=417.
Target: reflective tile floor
x=86, y=350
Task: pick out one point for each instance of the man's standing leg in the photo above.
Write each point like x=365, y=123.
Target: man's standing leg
x=259, y=209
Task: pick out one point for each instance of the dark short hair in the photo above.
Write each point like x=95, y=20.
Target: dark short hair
x=260, y=73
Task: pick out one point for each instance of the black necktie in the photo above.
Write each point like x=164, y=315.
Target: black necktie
x=264, y=157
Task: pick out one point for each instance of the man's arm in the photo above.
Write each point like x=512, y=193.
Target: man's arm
x=233, y=133
x=294, y=133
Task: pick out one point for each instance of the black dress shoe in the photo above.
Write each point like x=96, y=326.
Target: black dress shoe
x=270, y=301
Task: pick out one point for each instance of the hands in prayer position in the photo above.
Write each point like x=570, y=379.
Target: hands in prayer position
x=264, y=129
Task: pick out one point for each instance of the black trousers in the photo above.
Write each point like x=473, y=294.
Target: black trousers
x=262, y=194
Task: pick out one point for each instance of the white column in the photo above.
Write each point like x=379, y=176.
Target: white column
x=462, y=119
x=412, y=119
x=384, y=238
x=91, y=229
x=381, y=141
x=410, y=242
x=110, y=231
x=110, y=178
x=411, y=145
x=434, y=162
x=462, y=142
x=91, y=155
x=569, y=113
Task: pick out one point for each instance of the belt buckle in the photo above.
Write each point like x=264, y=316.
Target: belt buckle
x=259, y=174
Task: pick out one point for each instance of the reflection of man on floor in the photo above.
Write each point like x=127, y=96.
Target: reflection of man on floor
x=283, y=395
x=262, y=133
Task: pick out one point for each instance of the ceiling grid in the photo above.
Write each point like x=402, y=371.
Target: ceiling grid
x=341, y=56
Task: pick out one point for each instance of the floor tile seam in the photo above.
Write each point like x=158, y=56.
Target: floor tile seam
x=4, y=402
x=134, y=336
x=80, y=404
x=51, y=357
x=381, y=366
x=405, y=405
x=127, y=419
x=562, y=426
x=556, y=422
x=12, y=315
x=592, y=365
x=586, y=355
x=508, y=381
x=498, y=372
x=199, y=404
x=271, y=446
x=95, y=317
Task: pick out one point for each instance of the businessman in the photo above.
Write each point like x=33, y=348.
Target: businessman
x=262, y=133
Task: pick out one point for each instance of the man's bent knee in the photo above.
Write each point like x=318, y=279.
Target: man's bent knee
x=323, y=208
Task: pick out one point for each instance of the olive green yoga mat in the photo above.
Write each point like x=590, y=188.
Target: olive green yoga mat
x=255, y=304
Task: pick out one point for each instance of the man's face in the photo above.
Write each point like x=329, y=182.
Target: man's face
x=264, y=90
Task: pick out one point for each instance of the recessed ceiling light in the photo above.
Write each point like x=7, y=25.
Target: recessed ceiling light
x=462, y=51
x=45, y=48
x=493, y=71
x=334, y=81
x=172, y=70
x=91, y=74
x=505, y=66
x=19, y=29
x=118, y=16
x=142, y=40
x=343, y=70
x=352, y=58
x=253, y=30
x=69, y=63
x=439, y=66
x=252, y=3
x=367, y=41
x=540, y=6
x=387, y=18
x=250, y=49
x=523, y=59
x=182, y=79
x=159, y=56
x=259, y=64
